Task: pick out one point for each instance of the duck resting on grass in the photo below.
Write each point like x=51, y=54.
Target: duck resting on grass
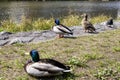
x=88, y=26
x=44, y=67
x=60, y=29
x=109, y=23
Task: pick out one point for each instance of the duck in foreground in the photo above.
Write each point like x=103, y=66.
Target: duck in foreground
x=88, y=26
x=44, y=67
x=61, y=29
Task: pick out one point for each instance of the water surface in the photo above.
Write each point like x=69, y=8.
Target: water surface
x=56, y=9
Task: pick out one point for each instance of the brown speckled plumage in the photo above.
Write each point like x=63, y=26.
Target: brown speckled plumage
x=88, y=26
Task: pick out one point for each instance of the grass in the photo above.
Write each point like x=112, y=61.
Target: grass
x=99, y=19
x=74, y=61
x=93, y=57
x=106, y=73
x=45, y=24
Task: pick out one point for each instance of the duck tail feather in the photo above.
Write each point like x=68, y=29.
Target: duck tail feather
x=71, y=33
x=67, y=71
x=72, y=29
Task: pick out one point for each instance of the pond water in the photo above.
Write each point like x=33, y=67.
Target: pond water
x=56, y=9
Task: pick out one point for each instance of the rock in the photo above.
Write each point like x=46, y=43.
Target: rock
x=3, y=42
x=16, y=40
x=21, y=40
x=46, y=35
x=5, y=33
x=22, y=34
x=26, y=39
x=4, y=37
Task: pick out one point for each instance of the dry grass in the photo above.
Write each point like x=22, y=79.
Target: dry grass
x=91, y=57
x=100, y=19
x=45, y=24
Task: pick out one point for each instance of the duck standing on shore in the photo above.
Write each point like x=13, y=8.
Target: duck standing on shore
x=44, y=67
x=109, y=23
x=60, y=29
x=88, y=26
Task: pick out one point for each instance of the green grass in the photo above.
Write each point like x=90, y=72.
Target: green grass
x=93, y=57
x=106, y=74
x=116, y=49
x=75, y=61
x=45, y=24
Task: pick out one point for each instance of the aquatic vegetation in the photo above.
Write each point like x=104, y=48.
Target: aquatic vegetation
x=45, y=24
x=99, y=19
x=71, y=20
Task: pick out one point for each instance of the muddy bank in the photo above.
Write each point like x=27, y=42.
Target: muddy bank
x=7, y=38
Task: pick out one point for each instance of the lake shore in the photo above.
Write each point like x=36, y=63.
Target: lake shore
x=7, y=38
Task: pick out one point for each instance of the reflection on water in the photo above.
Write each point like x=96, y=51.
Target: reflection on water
x=14, y=10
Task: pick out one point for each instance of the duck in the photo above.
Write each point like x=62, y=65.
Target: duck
x=109, y=23
x=61, y=29
x=88, y=26
x=37, y=67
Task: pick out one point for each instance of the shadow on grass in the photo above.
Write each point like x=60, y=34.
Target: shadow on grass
x=93, y=32
x=66, y=76
x=70, y=37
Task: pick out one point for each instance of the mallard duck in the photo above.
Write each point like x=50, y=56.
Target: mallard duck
x=109, y=23
x=61, y=29
x=88, y=26
x=44, y=67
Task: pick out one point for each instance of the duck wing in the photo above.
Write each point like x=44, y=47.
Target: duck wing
x=90, y=25
x=109, y=22
x=65, y=29
x=55, y=63
x=46, y=67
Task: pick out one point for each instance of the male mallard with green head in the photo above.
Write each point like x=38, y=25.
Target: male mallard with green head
x=88, y=26
x=61, y=29
x=44, y=67
x=109, y=23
